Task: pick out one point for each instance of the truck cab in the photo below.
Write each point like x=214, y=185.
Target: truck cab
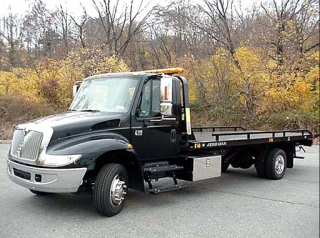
x=143, y=108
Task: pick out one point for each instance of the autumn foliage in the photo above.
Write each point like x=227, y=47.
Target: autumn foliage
x=254, y=93
x=257, y=68
x=51, y=80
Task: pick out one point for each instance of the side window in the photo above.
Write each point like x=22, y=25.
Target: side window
x=156, y=98
x=144, y=108
x=150, y=101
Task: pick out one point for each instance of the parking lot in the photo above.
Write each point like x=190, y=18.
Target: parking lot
x=238, y=204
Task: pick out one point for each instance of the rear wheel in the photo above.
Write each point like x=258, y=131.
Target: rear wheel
x=110, y=189
x=275, y=164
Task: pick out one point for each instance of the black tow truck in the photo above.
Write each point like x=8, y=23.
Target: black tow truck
x=125, y=129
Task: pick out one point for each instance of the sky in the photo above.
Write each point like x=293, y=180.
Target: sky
x=73, y=6
x=21, y=6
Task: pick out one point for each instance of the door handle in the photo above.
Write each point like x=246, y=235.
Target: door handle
x=173, y=136
x=146, y=123
x=164, y=119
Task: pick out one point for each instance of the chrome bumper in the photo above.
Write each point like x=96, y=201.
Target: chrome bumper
x=44, y=179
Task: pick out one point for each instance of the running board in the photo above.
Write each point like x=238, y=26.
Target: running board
x=164, y=189
x=163, y=168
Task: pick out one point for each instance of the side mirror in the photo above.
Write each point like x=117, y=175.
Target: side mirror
x=166, y=96
x=75, y=88
x=166, y=108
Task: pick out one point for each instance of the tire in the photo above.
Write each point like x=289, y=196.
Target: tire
x=243, y=164
x=235, y=164
x=260, y=163
x=275, y=164
x=109, y=189
x=246, y=163
x=224, y=166
x=39, y=193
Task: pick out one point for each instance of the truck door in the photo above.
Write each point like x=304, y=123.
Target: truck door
x=153, y=137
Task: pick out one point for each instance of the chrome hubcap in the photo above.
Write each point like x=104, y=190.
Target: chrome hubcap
x=279, y=164
x=117, y=190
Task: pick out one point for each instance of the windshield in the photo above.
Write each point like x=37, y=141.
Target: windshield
x=105, y=94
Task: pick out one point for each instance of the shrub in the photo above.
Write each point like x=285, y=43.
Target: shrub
x=15, y=110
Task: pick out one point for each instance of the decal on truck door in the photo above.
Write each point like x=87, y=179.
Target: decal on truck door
x=138, y=132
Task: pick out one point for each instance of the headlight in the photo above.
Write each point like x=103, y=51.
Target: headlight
x=57, y=160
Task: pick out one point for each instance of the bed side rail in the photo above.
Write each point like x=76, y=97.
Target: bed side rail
x=274, y=134
x=217, y=128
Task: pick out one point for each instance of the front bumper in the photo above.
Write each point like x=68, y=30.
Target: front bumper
x=44, y=179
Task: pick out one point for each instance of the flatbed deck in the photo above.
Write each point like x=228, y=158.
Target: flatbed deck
x=209, y=137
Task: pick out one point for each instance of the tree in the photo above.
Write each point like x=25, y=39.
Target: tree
x=80, y=27
x=293, y=27
x=120, y=23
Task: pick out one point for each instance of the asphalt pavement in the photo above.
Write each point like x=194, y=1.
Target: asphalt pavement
x=238, y=204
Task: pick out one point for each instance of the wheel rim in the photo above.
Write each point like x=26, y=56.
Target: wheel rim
x=279, y=164
x=117, y=190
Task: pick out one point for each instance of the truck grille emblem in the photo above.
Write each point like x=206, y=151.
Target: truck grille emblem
x=25, y=131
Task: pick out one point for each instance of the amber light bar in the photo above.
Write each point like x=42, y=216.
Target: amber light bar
x=177, y=70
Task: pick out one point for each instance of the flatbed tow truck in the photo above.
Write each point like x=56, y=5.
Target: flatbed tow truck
x=125, y=129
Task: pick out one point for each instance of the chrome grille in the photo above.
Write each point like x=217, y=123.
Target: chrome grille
x=26, y=144
x=17, y=139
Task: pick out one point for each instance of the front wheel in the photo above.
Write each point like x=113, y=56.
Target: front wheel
x=110, y=189
x=39, y=193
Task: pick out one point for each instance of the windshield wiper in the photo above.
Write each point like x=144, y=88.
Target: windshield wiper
x=89, y=110
x=72, y=110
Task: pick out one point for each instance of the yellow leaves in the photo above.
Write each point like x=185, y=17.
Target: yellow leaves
x=221, y=53
x=52, y=80
x=205, y=76
x=295, y=95
x=248, y=59
x=301, y=88
x=253, y=85
x=242, y=99
x=315, y=56
x=246, y=83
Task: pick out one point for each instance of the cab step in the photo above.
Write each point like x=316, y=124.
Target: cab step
x=164, y=189
x=156, y=164
x=163, y=168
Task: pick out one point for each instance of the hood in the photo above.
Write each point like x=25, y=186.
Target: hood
x=72, y=123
